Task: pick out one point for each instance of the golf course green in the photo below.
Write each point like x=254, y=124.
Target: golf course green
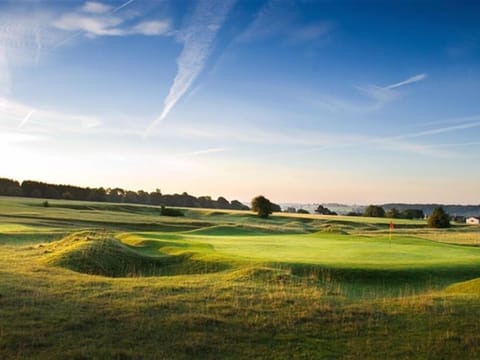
x=87, y=280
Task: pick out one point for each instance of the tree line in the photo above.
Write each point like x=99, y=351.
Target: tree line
x=37, y=189
x=437, y=219
x=393, y=213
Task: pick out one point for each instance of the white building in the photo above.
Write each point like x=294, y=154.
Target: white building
x=473, y=220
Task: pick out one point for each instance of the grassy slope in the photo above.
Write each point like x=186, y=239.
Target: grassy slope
x=261, y=305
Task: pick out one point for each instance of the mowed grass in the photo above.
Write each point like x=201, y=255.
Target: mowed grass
x=105, y=281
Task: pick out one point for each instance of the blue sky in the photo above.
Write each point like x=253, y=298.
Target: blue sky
x=305, y=101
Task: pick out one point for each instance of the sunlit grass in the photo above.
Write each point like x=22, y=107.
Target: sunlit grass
x=88, y=280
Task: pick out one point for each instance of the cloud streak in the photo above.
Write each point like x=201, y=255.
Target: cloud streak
x=384, y=94
x=410, y=80
x=198, y=39
x=36, y=120
x=278, y=19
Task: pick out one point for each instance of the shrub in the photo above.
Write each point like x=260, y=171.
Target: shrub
x=164, y=211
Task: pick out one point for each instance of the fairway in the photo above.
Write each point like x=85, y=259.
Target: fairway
x=229, y=284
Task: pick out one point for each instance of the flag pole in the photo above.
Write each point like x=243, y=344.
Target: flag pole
x=391, y=227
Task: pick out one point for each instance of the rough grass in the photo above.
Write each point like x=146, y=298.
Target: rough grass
x=82, y=281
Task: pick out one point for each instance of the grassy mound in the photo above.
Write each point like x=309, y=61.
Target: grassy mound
x=471, y=287
x=101, y=254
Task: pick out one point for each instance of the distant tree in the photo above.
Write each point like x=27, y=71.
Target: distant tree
x=14, y=191
x=237, y=205
x=156, y=197
x=262, y=206
x=302, y=211
x=143, y=197
x=439, y=219
x=412, y=214
x=393, y=213
x=223, y=203
x=36, y=193
x=322, y=210
x=67, y=196
x=97, y=195
x=51, y=192
x=131, y=197
x=276, y=207
x=354, y=213
x=206, y=202
x=374, y=211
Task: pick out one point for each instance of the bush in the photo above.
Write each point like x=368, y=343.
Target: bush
x=374, y=211
x=302, y=211
x=45, y=204
x=170, y=212
x=439, y=219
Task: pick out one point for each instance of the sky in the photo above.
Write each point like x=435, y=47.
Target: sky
x=307, y=101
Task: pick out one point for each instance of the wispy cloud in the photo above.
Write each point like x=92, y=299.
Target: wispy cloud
x=410, y=80
x=384, y=94
x=98, y=19
x=311, y=141
x=91, y=25
x=5, y=82
x=155, y=27
x=442, y=129
x=279, y=19
x=198, y=38
x=20, y=116
x=96, y=7
x=26, y=118
x=24, y=37
x=205, y=152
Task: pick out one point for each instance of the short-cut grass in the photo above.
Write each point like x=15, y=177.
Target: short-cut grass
x=86, y=280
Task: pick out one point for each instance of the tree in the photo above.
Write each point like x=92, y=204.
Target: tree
x=262, y=206
x=439, y=219
x=412, y=214
x=322, y=210
x=156, y=197
x=67, y=196
x=302, y=211
x=223, y=203
x=237, y=205
x=374, y=211
x=393, y=213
